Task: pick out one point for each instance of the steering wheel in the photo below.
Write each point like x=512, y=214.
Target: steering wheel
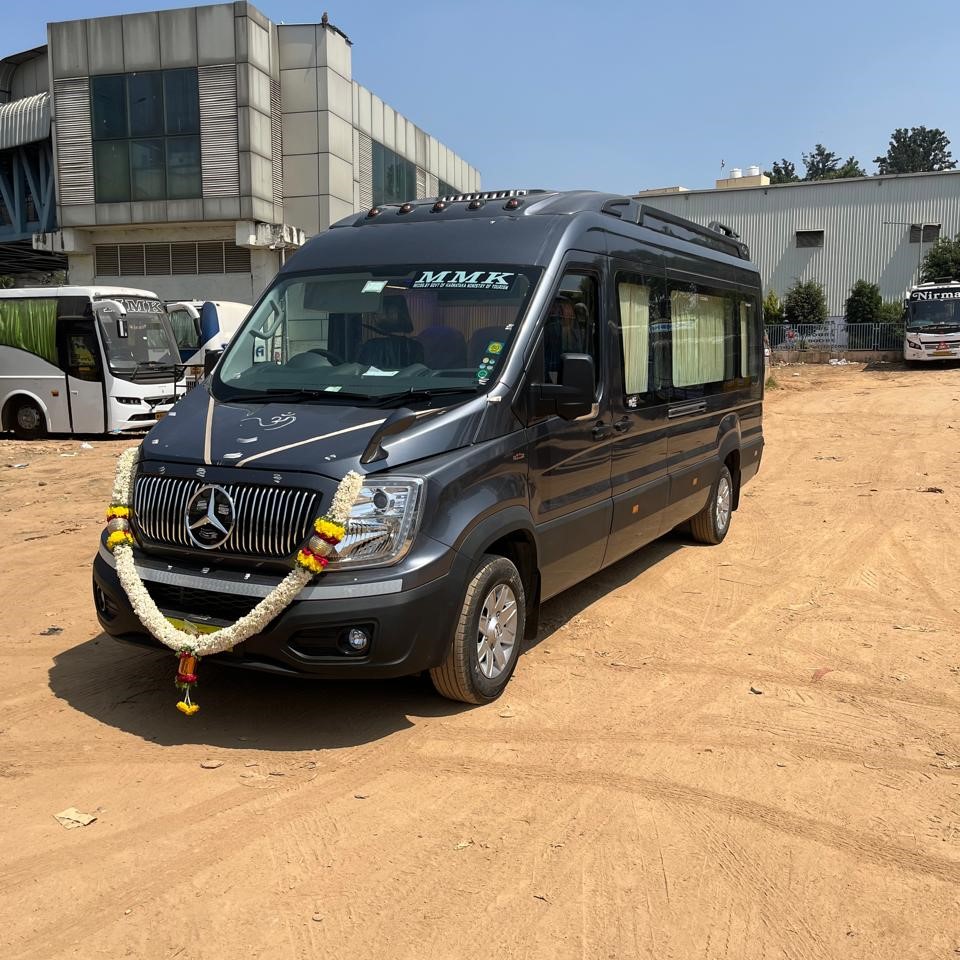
x=334, y=358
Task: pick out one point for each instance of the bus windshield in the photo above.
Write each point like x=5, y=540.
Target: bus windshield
x=149, y=345
x=377, y=336
x=934, y=314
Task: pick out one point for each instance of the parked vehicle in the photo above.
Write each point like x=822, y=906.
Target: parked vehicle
x=84, y=360
x=932, y=322
x=203, y=326
x=533, y=384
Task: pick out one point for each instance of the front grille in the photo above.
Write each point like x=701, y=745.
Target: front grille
x=270, y=522
x=199, y=603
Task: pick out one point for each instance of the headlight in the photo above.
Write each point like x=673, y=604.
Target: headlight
x=382, y=524
x=914, y=345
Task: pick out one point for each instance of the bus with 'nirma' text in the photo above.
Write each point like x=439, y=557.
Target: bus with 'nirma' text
x=933, y=322
x=85, y=360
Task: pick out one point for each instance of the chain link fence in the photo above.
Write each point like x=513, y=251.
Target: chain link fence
x=835, y=336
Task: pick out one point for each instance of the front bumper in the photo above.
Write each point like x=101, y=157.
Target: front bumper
x=410, y=617
x=950, y=352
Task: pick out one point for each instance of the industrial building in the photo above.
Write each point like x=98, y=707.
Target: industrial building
x=188, y=151
x=834, y=231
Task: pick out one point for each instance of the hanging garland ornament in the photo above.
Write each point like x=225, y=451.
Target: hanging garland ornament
x=311, y=561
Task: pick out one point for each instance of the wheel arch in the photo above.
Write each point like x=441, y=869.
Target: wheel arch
x=10, y=402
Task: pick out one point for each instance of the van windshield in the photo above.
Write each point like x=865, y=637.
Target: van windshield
x=377, y=336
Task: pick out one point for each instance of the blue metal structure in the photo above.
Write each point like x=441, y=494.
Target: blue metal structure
x=27, y=197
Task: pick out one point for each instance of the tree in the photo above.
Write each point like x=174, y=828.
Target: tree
x=772, y=308
x=805, y=303
x=864, y=303
x=943, y=261
x=821, y=164
x=784, y=171
x=891, y=311
x=917, y=150
x=851, y=168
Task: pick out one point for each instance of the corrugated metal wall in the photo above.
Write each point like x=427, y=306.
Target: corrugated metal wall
x=74, y=141
x=851, y=213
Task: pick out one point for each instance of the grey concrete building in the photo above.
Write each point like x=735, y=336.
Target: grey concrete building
x=187, y=151
x=834, y=231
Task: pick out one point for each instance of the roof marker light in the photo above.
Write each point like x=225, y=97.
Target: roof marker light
x=474, y=204
x=405, y=208
x=438, y=206
x=373, y=212
x=512, y=203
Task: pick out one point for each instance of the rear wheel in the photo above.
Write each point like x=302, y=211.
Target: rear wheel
x=29, y=422
x=486, y=642
x=711, y=524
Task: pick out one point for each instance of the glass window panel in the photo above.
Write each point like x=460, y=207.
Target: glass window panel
x=145, y=103
x=109, y=107
x=111, y=166
x=698, y=338
x=146, y=170
x=181, y=101
x=571, y=325
x=378, y=173
x=183, y=168
x=635, y=332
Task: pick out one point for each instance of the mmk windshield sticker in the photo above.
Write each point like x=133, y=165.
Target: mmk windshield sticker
x=464, y=280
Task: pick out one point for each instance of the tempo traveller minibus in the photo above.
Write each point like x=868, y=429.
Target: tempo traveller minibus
x=532, y=384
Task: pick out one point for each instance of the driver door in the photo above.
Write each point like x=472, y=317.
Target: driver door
x=81, y=360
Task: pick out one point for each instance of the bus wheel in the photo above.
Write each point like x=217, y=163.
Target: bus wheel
x=486, y=642
x=29, y=422
x=711, y=524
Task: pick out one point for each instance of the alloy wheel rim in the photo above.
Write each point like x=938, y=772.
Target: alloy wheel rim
x=497, y=631
x=723, y=503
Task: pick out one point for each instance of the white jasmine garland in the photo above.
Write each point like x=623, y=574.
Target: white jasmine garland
x=266, y=610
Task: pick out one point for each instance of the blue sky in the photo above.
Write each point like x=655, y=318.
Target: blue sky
x=621, y=96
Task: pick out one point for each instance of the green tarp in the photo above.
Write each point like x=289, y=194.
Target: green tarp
x=30, y=324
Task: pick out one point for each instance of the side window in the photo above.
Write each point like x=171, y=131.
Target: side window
x=185, y=330
x=709, y=331
x=572, y=324
x=644, y=339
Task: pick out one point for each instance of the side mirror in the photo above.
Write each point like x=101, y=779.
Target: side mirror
x=572, y=397
x=210, y=359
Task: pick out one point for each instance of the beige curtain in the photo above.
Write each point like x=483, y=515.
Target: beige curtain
x=744, y=339
x=635, y=333
x=697, y=322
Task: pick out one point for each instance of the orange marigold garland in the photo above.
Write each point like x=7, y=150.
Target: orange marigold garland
x=187, y=678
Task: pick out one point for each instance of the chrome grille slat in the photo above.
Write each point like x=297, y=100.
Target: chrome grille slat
x=270, y=522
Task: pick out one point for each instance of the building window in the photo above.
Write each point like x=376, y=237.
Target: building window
x=809, y=238
x=146, y=132
x=171, y=259
x=931, y=232
x=394, y=177
x=448, y=189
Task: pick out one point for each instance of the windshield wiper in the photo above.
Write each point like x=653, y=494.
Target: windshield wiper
x=301, y=394
x=418, y=393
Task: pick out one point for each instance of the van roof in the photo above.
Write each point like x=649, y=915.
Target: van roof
x=505, y=226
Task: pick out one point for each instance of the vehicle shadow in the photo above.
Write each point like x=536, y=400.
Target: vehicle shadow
x=131, y=687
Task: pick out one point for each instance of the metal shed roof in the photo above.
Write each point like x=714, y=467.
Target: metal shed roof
x=24, y=121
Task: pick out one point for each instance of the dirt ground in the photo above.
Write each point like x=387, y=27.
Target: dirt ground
x=744, y=751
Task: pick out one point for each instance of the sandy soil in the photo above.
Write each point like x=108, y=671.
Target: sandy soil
x=745, y=751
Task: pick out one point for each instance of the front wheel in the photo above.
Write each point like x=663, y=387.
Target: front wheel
x=486, y=643
x=711, y=524
x=29, y=422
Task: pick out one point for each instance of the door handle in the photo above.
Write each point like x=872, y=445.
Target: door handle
x=623, y=424
x=601, y=431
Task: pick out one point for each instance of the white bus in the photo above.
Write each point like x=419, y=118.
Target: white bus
x=933, y=322
x=85, y=360
x=200, y=326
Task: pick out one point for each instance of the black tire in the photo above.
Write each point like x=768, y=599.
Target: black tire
x=711, y=524
x=28, y=421
x=462, y=676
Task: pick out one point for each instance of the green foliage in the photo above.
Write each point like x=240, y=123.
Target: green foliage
x=864, y=303
x=850, y=168
x=891, y=311
x=784, y=171
x=942, y=261
x=772, y=383
x=772, y=308
x=821, y=164
x=917, y=150
x=805, y=303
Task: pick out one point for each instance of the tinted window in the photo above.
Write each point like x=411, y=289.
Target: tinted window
x=111, y=164
x=109, y=95
x=183, y=167
x=181, y=101
x=146, y=170
x=83, y=351
x=572, y=324
x=145, y=103
x=644, y=338
x=394, y=177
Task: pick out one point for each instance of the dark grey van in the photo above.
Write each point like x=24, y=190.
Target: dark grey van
x=534, y=385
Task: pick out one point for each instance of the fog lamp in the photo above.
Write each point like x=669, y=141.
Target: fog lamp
x=358, y=640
